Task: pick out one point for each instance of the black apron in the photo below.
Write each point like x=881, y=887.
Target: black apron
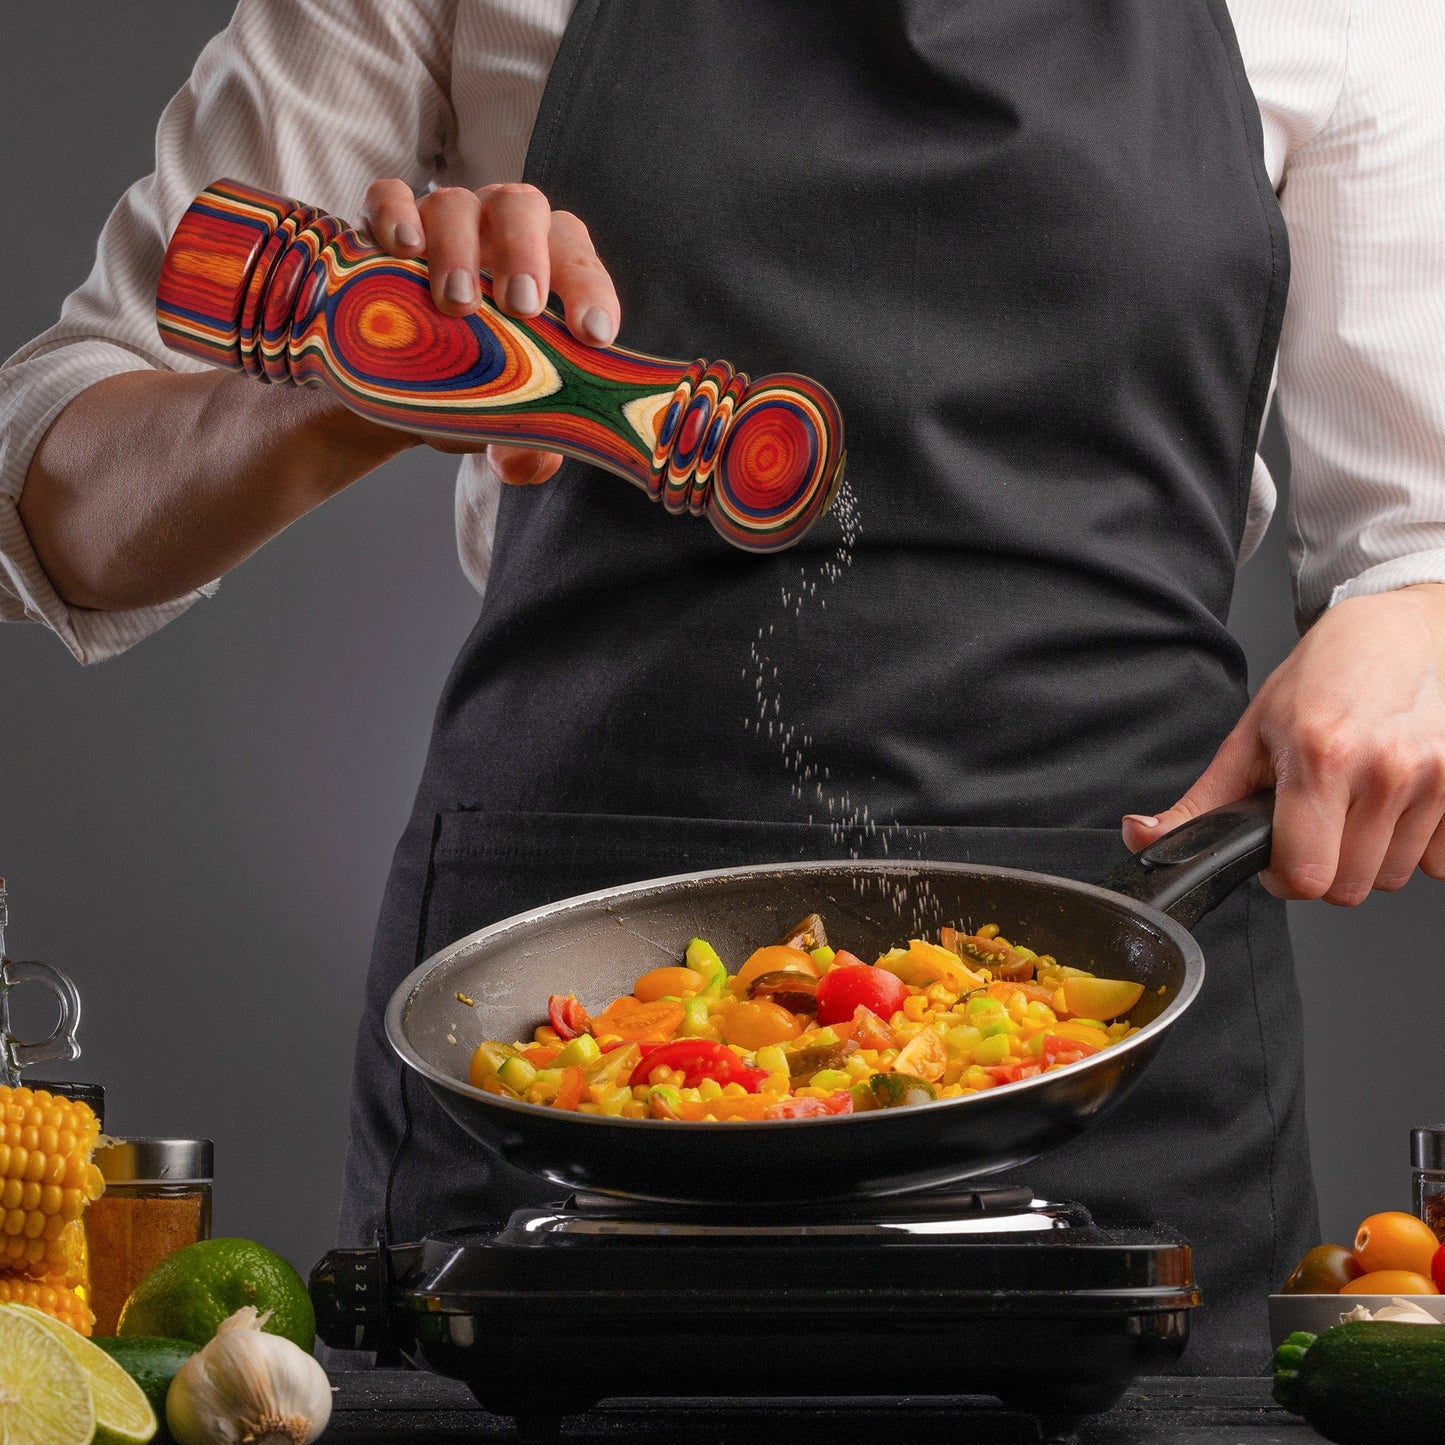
x=1033, y=251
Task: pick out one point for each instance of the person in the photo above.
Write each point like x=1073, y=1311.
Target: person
x=1041, y=256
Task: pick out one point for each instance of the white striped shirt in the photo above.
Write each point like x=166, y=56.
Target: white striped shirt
x=317, y=98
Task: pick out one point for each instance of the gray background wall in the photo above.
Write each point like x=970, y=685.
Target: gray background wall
x=199, y=831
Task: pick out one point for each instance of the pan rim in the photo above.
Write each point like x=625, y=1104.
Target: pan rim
x=1139, y=912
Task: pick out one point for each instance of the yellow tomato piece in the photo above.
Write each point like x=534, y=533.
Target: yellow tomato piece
x=660, y=982
x=926, y=963
x=755, y=1023
x=1100, y=998
x=1072, y=1029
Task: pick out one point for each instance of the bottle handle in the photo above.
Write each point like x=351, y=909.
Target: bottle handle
x=60, y=1043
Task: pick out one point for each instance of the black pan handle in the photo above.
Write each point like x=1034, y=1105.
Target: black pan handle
x=1191, y=870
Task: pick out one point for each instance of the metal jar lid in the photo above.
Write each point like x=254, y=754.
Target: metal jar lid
x=1427, y=1147
x=156, y=1161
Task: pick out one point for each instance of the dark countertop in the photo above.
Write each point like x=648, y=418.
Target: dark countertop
x=376, y=1406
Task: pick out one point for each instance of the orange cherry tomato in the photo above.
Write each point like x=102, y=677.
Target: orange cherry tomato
x=663, y=981
x=757, y=1022
x=1395, y=1240
x=633, y=1021
x=1390, y=1282
x=775, y=957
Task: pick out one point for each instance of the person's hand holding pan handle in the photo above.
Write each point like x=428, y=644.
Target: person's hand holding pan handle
x=1350, y=732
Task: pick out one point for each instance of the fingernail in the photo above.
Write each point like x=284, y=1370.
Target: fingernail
x=522, y=296
x=407, y=235
x=460, y=288
x=1141, y=819
x=598, y=325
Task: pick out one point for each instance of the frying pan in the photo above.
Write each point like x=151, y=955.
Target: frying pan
x=1135, y=926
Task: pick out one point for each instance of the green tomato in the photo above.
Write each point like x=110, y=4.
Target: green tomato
x=1326, y=1269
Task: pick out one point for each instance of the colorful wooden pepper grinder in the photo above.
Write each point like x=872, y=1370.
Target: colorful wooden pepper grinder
x=267, y=286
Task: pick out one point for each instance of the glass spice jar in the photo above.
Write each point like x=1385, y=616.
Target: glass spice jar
x=1427, y=1176
x=157, y=1200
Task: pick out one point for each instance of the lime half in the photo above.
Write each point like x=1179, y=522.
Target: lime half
x=44, y=1395
x=123, y=1415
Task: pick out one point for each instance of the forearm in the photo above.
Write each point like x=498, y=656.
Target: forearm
x=150, y=484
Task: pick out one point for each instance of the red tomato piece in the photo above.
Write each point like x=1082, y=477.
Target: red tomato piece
x=1012, y=1073
x=847, y=986
x=567, y=1016
x=1058, y=1051
x=809, y=1107
x=697, y=1059
x=1437, y=1269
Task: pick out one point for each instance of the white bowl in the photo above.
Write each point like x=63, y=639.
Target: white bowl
x=1318, y=1312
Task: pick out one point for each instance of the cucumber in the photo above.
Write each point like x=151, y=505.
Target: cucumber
x=1366, y=1382
x=151, y=1361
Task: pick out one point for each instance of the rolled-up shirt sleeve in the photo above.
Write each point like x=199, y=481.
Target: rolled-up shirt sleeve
x=313, y=100
x=1362, y=356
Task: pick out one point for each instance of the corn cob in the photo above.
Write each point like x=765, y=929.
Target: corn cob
x=46, y=1180
x=54, y=1299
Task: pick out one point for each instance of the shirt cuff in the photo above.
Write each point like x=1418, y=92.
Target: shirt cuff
x=1391, y=576
x=33, y=392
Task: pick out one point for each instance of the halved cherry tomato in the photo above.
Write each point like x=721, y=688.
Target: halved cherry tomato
x=772, y=959
x=698, y=1059
x=1326, y=1269
x=567, y=1016
x=844, y=987
x=634, y=1021
x=1395, y=1240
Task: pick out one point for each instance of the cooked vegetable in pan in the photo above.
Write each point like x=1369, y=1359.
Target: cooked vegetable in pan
x=802, y=1030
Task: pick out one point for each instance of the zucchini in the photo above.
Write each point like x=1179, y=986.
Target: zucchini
x=1366, y=1382
x=152, y=1362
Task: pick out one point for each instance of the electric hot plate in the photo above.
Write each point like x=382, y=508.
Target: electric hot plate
x=970, y=1292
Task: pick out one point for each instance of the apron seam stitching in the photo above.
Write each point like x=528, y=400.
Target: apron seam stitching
x=1250, y=904
x=1274, y=302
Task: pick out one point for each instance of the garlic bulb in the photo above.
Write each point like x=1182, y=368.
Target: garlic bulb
x=248, y=1386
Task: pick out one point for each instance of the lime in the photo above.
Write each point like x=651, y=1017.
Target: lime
x=123, y=1415
x=191, y=1291
x=44, y=1396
